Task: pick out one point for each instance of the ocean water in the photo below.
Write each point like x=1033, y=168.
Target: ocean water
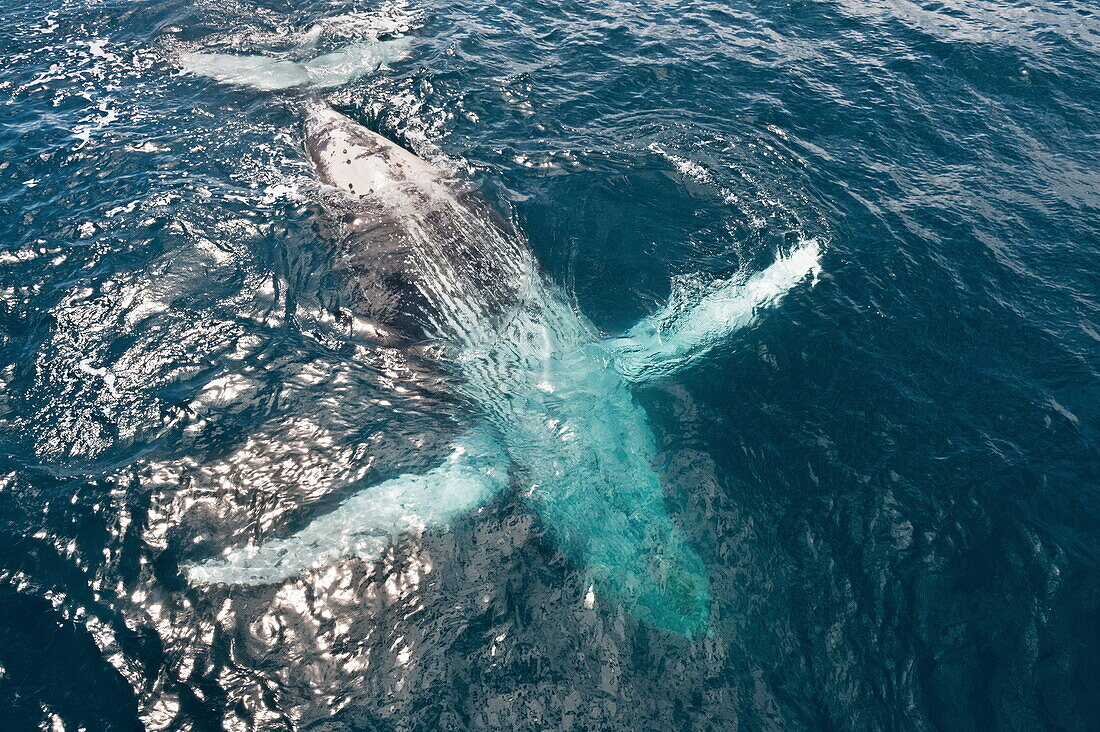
x=891, y=477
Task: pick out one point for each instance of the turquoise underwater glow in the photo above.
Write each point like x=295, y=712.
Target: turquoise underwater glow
x=588, y=457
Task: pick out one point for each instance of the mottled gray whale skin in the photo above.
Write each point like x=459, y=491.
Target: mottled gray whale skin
x=420, y=250
x=556, y=418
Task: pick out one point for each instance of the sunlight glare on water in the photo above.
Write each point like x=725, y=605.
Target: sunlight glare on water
x=843, y=256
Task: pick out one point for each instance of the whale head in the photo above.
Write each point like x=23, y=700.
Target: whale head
x=360, y=162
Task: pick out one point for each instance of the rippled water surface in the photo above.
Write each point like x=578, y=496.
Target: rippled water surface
x=890, y=477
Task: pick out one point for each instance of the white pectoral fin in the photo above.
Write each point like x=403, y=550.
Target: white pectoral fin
x=269, y=74
x=687, y=328
x=259, y=72
x=365, y=524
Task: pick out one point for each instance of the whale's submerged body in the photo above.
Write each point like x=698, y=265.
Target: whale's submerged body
x=558, y=418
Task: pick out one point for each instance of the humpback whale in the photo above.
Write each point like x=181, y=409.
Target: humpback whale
x=554, y=413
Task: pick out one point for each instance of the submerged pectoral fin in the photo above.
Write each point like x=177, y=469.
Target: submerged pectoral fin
x=365, y=524
x=685, y=329
x=658, y=577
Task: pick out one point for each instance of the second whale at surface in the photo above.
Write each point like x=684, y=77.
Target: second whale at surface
x=268, y=74
x=554, y=414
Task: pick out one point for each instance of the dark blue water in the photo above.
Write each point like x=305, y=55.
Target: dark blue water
x=893, y=477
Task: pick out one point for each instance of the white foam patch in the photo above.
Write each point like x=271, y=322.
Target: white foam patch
x=692, y=325
x=365, y=524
